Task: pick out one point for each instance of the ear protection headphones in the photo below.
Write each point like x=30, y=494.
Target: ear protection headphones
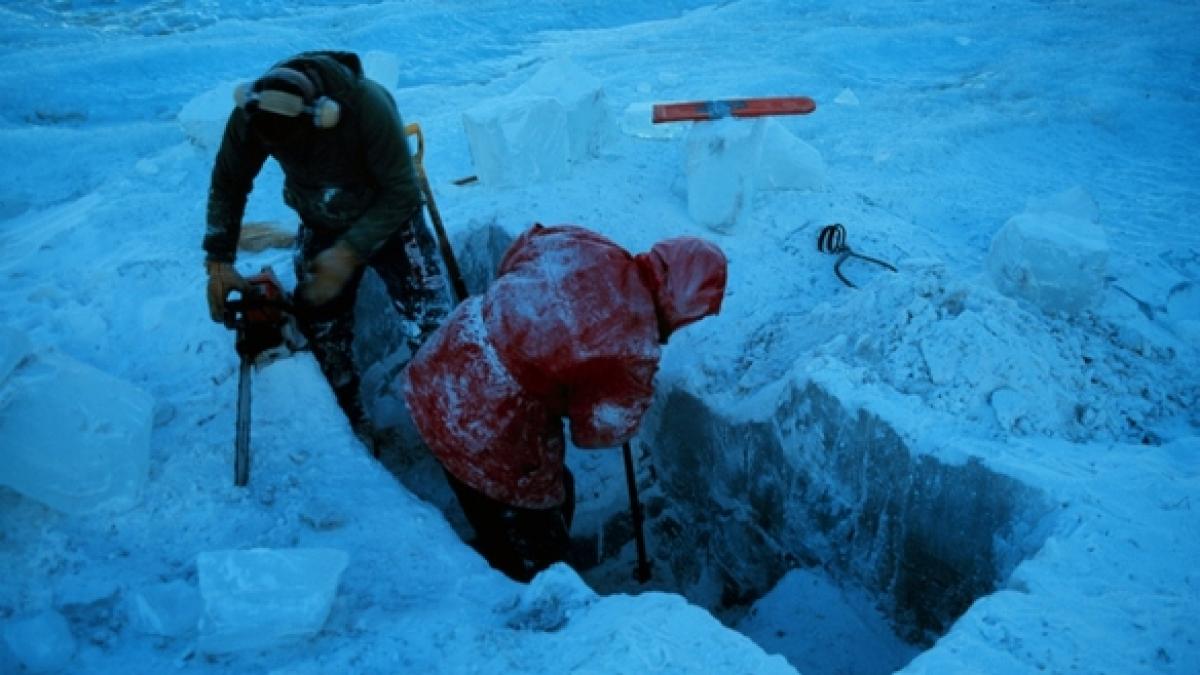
x=261, y=95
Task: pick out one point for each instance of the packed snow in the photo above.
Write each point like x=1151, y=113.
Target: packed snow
x=985, y=461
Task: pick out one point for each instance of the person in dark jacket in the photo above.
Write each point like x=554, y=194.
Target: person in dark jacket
x=571, y=328
x=349, y=175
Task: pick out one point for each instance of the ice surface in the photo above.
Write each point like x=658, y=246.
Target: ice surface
x=721, y=163
x=1076, y=202
x=1054, y=260
x=261, y=597
x=14, y=348
x=73, y=436
x=788, y=163
x=582, y=97
x=518, y=140
x=171, y=608
x=964, y=114
x=203, y=118
x=42, y=642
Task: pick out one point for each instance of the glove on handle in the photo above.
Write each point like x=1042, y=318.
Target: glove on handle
x=223, y=279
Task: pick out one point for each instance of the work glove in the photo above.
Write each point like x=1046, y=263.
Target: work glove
x=223, y=279
x=327, y=274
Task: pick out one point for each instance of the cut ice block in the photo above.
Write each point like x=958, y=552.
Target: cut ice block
x=518, y=140
x=257, y=598
x=722, y=160
x=42, y=643
x=71, y=436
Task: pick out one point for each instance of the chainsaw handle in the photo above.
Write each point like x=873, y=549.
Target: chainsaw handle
x=251, y=300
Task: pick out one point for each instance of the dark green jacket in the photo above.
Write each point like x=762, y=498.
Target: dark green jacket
x=355, y=179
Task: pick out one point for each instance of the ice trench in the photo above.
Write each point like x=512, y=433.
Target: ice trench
x=732, y=506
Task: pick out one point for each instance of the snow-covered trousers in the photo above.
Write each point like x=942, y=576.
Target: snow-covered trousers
x=407, y=263
x=519, y=542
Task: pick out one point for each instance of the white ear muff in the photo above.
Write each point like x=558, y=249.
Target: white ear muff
x=326, y=112
x=241, y=94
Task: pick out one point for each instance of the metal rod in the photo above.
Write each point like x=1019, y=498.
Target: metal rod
x=642, y=572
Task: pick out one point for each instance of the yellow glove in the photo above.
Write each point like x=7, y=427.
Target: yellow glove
x=223, y=279
x=328, y=274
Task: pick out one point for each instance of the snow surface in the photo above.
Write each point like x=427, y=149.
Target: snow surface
x=936, y=124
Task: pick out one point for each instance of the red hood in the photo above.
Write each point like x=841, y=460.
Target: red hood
x=687, y=279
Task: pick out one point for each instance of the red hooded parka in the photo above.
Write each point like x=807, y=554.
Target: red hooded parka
x=570, y=328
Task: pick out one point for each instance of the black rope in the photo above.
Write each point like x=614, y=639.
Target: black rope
x=832, y=240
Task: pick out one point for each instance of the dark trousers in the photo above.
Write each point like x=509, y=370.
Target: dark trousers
x=519, y=542
x=408, y=265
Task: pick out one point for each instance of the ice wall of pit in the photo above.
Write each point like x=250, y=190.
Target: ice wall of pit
x=731, y=506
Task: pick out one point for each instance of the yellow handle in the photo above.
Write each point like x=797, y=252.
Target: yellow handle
x=414, y=129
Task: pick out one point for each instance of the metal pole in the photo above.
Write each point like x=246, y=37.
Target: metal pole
x=642, y=572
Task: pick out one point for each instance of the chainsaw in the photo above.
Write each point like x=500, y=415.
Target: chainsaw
x=265, y=330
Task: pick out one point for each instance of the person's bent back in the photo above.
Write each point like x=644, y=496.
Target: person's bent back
x=571, y=328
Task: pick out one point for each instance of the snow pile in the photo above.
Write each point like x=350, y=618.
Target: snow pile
x=1054, y=255
x=533, y=134
x=979, y=357
x=260, y=597
x=71, y=436
x=568, y=628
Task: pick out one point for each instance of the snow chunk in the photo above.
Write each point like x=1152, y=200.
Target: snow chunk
x=381, y=66
x=258, y=598
x=1053, y=260
x=203, y=118
x=721, y=163
x=71, y=436
x=636, y=121
x=846, y=97
x=788, y=163
x=515, y=141
x=550, y=599
x=170, y=609
x=582, y=97
x=42, y=642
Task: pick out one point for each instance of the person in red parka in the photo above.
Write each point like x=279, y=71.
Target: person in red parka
x=571, y=328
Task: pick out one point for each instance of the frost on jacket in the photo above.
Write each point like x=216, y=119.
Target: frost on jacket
x=570, y=329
